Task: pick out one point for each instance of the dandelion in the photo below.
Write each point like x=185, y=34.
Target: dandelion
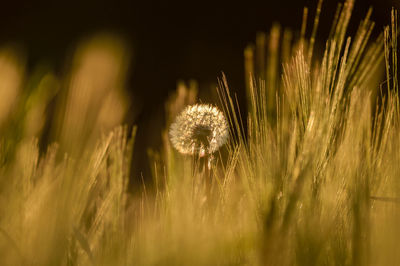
x=199, y=129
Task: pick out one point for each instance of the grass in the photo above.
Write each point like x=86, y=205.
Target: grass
x=309, y=176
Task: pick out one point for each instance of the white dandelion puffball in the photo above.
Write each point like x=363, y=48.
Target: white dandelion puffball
x=199, y=129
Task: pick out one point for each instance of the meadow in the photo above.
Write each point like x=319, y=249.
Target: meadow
x=309, y=176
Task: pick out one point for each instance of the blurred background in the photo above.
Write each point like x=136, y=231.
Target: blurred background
x=168, y=41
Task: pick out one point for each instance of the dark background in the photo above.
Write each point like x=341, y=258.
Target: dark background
x=170, y=40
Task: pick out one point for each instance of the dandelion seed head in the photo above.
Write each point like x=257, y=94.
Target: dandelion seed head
x=199, y=129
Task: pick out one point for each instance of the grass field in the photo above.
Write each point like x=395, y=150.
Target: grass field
x=309, y=177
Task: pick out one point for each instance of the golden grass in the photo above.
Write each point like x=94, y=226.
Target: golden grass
x=311, y=180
